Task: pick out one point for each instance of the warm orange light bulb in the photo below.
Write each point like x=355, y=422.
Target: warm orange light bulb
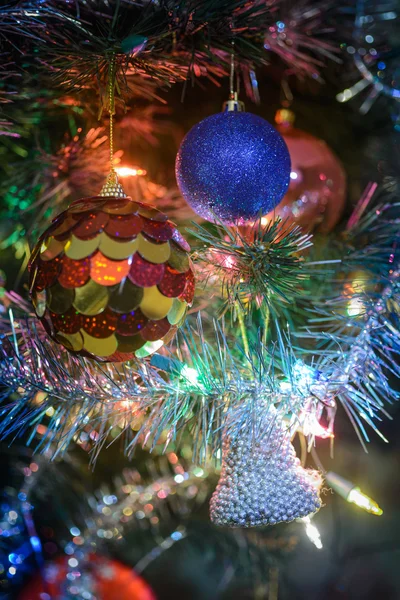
x=129, y=171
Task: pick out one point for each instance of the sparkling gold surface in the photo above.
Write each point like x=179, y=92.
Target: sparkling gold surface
x=77, y=249
x=39, y=302
x=72, y=341
x=121, y=208
x=117, y=250
x=51, y=248
x=59, y=299
x=33, y=276
x=130, y=343
x=154, y=305
x=91, y=298
x=99, y=346
x=179, y=259
x=151, y=213
x=110, y=279
x=66, y=226
x=155, y=253
x=125, y=297
x=171, y=333
x=177, y=311
x=149, y=348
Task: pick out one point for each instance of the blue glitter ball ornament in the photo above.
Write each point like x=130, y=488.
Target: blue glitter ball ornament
x=233, y=167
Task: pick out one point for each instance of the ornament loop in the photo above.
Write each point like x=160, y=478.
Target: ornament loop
x=233, y=104
x=112, y=187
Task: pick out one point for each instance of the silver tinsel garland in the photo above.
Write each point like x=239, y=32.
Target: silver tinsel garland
x=209, y=385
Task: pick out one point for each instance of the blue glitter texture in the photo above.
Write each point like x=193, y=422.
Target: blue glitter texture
x=234, y=165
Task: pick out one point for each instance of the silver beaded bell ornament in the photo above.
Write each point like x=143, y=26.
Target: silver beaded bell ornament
x=262, y=481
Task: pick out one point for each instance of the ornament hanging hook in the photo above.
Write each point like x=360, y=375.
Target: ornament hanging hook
x=233, y=104
x=111, y=186
x=111, y=108
x=232, y=73
x=285, y=117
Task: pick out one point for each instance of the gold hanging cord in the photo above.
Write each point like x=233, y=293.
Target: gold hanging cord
x=112, y=187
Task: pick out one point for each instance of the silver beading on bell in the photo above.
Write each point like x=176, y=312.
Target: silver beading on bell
x=262, y=481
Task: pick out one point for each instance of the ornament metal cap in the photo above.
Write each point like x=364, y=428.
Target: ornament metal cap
x=112, y=187
x=233, y=104
x=285, y=118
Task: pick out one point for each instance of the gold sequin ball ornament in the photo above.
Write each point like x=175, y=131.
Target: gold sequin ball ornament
x=111, y=278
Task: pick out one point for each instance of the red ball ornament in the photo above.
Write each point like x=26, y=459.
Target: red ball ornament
x=317, y=191
x=102, y=578
x=111, y=278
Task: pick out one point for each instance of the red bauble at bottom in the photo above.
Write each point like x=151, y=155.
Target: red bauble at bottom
x=99, y=577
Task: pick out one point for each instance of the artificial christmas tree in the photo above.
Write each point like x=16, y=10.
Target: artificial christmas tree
x=282, y=337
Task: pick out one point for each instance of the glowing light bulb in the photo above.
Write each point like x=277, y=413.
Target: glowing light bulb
x=312, y=532
x=191, y=375
x=357, y=497
x=130, y=171
x=228, y=262
x=312, y=427
x=352, y=493
x=355, y=307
